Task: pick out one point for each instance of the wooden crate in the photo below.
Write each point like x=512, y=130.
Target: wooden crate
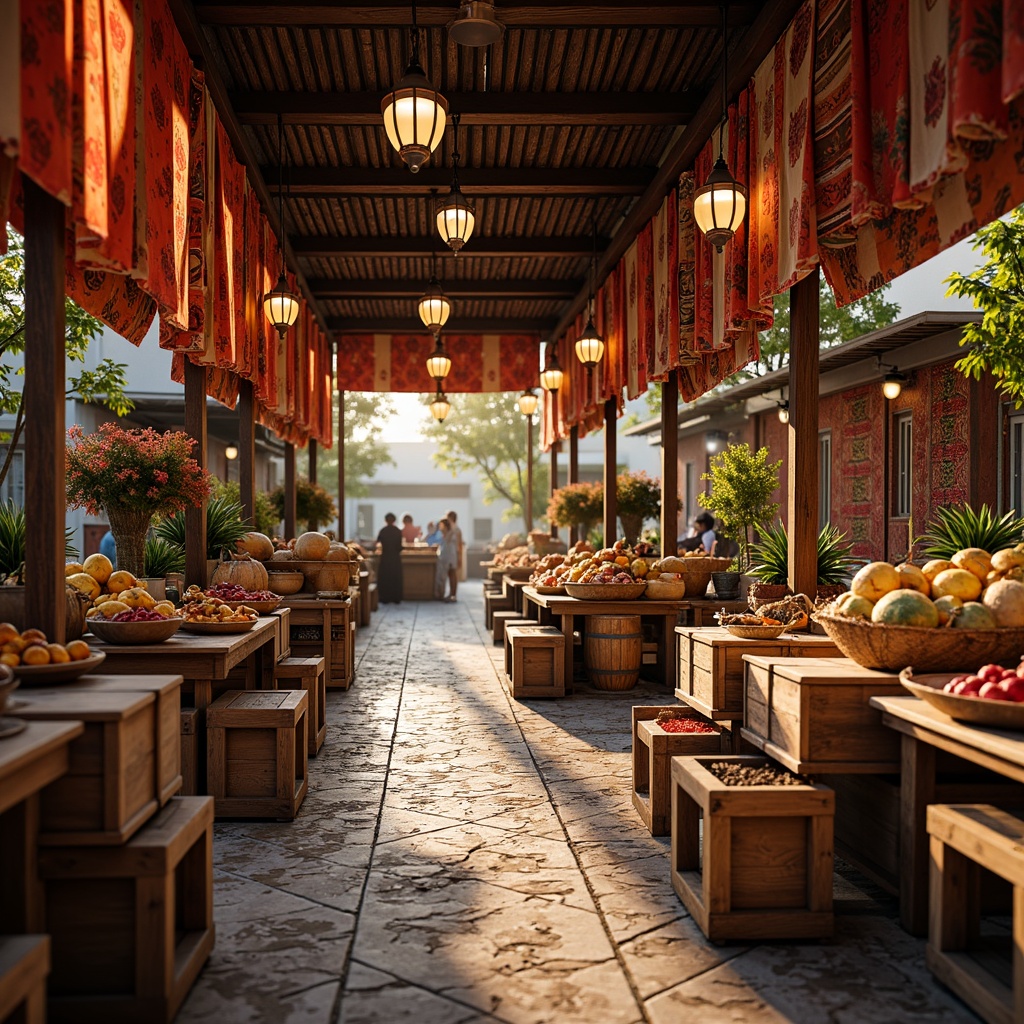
x=761, y=866
x=24, y=965
x=710, y=677
x=283, y=638
x=324, y=629
x=499, y=620
x=534, y=661
x=653, y=749
x=110, y=790
x=307, y=674
x=965, y=840
x=131, y=926
x=813, y=715
x=167, y=691
x=495, y=603
x=257, y=753
x=189, y=721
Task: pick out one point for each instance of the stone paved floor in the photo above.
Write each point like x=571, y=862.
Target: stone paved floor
x=461, y=859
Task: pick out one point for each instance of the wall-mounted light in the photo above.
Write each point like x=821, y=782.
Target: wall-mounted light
x=231, y=453
x=783, y=412
x=893, y=381
x=715, y=441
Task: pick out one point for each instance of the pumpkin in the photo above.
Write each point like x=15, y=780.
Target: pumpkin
x=312, y=547
x=259, y=545
x=337, y=553
x=243, y=571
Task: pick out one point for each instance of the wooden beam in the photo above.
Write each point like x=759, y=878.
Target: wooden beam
x=802, y=520
x=475, y=108
x=669, y=465
x=195, y=427
x=413, y=325
x=405, y=287
x=746, y=56
x=289, y=491
x=527, y=14
x=43, y=404
x=574, y=473
x=341, y=464
x=314, y=524
x=555, y=447
x=611, y=505
x=247, y=450
x=499, y=247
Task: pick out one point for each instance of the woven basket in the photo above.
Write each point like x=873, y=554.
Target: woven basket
x=605, y=591
x=550, y=591
x=670, y=590
x=894, y=648
x=757, y=632
x=520, y=572
x=697, y=573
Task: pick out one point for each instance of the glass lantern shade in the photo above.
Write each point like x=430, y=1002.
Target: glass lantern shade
x=551, y=377
x=892, y=385
x=440, y=406
x=783, y=412
x=455, y=219
x=438, y=363
x=415, y=115
x=281, y=306
x=720, y=205
x=589, y=346
x=434, y=307
x=528, y=402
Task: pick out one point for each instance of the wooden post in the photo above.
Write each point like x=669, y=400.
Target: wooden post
x=528, y=503
x=289, y=490
x=195, y=427
x=802, y=522
x=341, y=464
x=669, y=465
x=574, y=473
x=43, y=398
x=611, y=511
x=311, y=450
x=247, y=450
x=555, y=445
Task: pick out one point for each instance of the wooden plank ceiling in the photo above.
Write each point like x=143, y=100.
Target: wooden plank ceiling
x=581, y=112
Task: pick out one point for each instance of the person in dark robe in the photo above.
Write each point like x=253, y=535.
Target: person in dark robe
x=389, y=568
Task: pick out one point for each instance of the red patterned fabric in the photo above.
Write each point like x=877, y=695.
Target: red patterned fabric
x=610, y=320
x=89, y=185
x=116, y=299
x=665, y=355
x=636, y=379
x=229, y=254
x=645, y=301
x=1013, y=50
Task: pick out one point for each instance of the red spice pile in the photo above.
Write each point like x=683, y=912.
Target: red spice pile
x=687, y=725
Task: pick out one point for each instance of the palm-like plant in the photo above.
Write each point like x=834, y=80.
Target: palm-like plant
x=224, y=527
x=163, y=558
x=954, y=529
x=772, y=555
x=12, y=541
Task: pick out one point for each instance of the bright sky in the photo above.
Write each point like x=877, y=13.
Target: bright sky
x=407, y=423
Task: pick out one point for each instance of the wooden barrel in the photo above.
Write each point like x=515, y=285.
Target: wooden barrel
x=613, y=651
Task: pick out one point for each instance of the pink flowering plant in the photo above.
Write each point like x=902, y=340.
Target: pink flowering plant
x=132, y=475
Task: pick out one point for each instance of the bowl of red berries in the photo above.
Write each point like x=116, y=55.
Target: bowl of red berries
x=992, y=696
x=137, y=626
x=234, y=596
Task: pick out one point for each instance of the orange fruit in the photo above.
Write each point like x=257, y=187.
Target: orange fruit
x=957, y=583
x=34, y=636
x=15, y=646
x=58, y=654
x=974, y=560
x=78, y=650
x=7, y=632
x=10, y=659
x=35, y=654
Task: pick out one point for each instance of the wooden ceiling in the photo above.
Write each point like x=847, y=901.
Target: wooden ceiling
x=582, y=113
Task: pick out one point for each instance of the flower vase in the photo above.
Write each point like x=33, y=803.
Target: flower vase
x=129, y=527
x=632, y=525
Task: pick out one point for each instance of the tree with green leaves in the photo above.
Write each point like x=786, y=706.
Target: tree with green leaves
x=104, y=385
x=487, y=433
x=996, y=345
x=365, y=452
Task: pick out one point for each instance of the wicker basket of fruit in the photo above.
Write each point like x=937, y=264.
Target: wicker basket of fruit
x=137, y=626
x=993, y=696
x=613, y=590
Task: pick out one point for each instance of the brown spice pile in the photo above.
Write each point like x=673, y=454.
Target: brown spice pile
x=747, y=775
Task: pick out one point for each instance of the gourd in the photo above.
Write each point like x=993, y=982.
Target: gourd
x=243, y=571
x=312, y=547
x=259, y=545
x=338, y=553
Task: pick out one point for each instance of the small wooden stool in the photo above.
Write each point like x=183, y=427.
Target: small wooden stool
x=257, y=764
x=768, y=858
x=131, y=925
x=307, y=674
x=24, y=965
x=966, y=838
x=189, y=719
x=653, y=750
x=495, y=602
x=534, y=661
x=499, y=620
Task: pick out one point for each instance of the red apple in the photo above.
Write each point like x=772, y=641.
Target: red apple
x=1015, y=688
x=971, y=685
x=992, y=691
x=990, y=673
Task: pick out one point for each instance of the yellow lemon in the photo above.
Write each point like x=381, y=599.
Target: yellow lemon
x=1008, y=558
x=86, y=584
x=99, y=567
x=119, y=581
x=934, y=567
x=957, y=583
x=875, y=580
x=73, y=567
x=912, y=578
x=974, y=560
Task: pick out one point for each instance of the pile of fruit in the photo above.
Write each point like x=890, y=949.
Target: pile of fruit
x=234, y=592
x=620, y=563
x=201, y=607
x=97, y=580
x=135, y=605
x=973, y=590
x=516, y=557
x=993, y=682
x=30, y=648
x=746, y=619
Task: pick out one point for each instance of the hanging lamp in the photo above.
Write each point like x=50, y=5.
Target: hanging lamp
x=439, y=365
x=281, y=304
x=589, y=345
x=434, y=307
x=455, y=214
x=440, y=406
x=551, y=376
x=414, y=112
x=528, y=402
x=720, y=204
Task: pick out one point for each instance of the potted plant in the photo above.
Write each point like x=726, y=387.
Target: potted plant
x=637, y=497
x=578, y=505
x=162, y=560
x=954, y=529
x=835, y=563
x=225, y=527
x=742, y=485
x=132, y=476
x=312, y=504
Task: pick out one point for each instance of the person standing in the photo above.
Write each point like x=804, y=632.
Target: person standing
x=410, y=532
x=433, y=537
x=446, y=562
x=453, y=520
x=389, y=568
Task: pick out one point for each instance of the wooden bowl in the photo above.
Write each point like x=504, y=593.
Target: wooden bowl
x=667, y=590
x=285, y=582
x=757, y=632
x=550, y=591
x=998, y=714
x=605, y=591
x=134, y=632
x=42, y=675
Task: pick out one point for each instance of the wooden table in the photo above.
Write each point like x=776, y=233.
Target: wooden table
x=514, y=590
x=28, y=762
x=566, y=609
x=924, y=732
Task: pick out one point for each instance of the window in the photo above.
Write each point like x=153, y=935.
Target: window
x=364, y=521
x=13, y=488
x=824, y=478
x=903, y=431
x=483, y=529
x=1015, y=498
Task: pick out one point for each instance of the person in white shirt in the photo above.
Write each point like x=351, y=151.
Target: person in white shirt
x=705, y=524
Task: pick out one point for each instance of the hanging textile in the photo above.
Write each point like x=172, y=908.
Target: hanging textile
x=665, y=353
x=1013, y=50
x=636, y=380
x=229, y=252
x=645, y=301
x=116, y=299
x=89, y=185
x=610, y=321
